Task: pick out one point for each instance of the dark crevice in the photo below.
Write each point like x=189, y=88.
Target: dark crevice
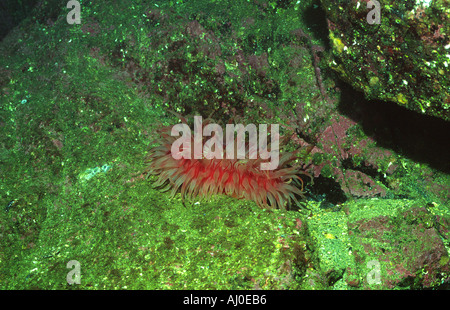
x=326, y=190
x=371, y=171
x=421, y=138
x=12, y=12
x=315, y=19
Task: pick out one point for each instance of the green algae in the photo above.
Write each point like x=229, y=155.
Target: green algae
x=132, y=237
x=124, y=234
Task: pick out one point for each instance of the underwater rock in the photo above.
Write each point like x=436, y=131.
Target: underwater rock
x=397, y=243
x=382, y=244
x=404, y=58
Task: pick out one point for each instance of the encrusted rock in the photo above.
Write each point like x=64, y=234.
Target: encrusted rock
x=404, y=58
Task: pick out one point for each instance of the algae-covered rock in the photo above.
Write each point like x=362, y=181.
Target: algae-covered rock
x=382, y=244
x=404, y=58
x=81, y=104
x=399, y=240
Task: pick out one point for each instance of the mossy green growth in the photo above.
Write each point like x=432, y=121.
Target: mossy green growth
x=132, y=237
x=123, y=233
x=330, y=233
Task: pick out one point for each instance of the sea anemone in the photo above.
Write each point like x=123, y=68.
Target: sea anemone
x=239, y=178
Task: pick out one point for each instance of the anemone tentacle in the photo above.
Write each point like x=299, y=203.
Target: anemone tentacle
x=238, y=178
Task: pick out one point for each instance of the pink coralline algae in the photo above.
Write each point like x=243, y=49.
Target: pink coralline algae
x=336, y=141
